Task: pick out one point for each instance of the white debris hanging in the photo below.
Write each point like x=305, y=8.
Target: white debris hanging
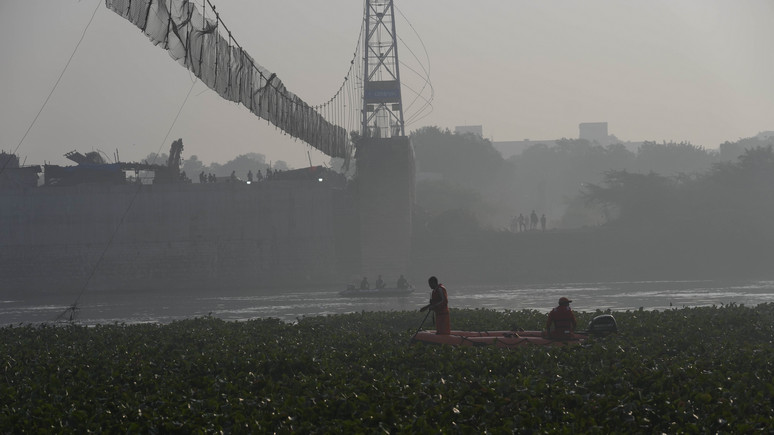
x=194, y=40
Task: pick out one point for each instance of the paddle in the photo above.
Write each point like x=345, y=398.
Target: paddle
x=420, y=326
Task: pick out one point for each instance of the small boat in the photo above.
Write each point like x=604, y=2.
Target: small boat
x=378, y=292
x=600, y=326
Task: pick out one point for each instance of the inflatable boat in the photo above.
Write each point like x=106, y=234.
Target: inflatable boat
x=600, y=326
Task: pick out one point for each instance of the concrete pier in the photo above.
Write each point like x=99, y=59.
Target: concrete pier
x=385, y=186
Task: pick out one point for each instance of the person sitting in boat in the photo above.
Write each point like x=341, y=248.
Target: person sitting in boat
x=379, y=282
x=364, y=285
x=439, y=303
x=561, y=321
x=402, y=283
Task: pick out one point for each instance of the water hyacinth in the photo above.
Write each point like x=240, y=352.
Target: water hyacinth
x=683, y=370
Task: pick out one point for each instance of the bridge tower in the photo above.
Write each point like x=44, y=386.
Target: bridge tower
x=385, y=157
x=382, y=103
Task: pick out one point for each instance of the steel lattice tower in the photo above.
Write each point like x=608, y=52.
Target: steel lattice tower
x=382, y=103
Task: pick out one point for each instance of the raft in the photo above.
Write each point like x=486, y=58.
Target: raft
x=600, y=326
x=507, y=339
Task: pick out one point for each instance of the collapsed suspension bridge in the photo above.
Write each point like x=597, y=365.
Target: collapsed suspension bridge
x=137, y=237
x=368, y=101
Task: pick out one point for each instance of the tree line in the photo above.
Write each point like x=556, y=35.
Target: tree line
x=730, y=198
x=463, y=174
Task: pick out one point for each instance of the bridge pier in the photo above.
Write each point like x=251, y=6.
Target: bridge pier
x=385, y=185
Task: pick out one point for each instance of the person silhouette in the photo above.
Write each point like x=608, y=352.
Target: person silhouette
x=561, y=321
x=439, y=303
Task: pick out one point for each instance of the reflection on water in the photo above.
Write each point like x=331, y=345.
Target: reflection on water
x=142, y=307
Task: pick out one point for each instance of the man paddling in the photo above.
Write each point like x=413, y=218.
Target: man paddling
x=439, y=303
x=562, y=319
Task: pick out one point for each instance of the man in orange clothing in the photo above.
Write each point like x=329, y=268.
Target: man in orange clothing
x=562, y=319
x=439, y=303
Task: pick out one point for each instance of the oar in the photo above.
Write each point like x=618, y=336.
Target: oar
x=420, y=326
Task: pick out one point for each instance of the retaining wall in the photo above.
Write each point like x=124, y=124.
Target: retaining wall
x=179, y=236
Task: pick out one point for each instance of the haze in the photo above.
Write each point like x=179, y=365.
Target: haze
x=697, y=71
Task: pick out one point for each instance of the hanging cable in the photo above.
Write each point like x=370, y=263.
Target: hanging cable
x=72, y=309
x=34, y=120
x=428, y=101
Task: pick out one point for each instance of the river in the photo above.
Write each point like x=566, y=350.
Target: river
x=143, y=307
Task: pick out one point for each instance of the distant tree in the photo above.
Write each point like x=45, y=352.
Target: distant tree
x=580, y=213
x=636, y=198
x=240, y=165
x=437, y=197
x=192, y=166
x=730, y=151
x=217, y=170
x=548, y=178
x=730, y=198
x=670, y=158
x=464, y=159
x=466, y=164
x=744, y=188
x=157, y=159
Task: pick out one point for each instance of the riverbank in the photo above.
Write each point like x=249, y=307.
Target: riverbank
x=589, y=255
x=147, y=306
x=694, y=369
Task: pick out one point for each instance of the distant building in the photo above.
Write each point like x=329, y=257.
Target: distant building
x=478, y=130
x=765, y=135
x=594, y=132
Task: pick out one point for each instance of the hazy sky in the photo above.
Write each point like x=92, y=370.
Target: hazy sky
x=694, y=70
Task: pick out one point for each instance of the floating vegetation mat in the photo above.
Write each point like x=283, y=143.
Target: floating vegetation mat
x=695, y=370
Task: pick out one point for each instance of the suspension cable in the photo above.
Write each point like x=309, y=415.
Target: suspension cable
x=34, y=120
x=72, y=309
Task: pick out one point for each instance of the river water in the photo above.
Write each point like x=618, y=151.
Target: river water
x=142, y=307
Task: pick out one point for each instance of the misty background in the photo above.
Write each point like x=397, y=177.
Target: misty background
x=690, y=71
x=681, y=186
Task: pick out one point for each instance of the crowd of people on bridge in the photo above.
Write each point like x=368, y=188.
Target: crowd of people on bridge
x=251, y=178
x=523, y=223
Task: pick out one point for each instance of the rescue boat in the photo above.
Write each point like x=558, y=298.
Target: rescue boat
x=599, y=326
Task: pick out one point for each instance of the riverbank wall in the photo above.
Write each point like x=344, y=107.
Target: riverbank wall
x=176, y=236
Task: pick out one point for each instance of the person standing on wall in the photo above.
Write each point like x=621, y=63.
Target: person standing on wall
x=439, y=304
